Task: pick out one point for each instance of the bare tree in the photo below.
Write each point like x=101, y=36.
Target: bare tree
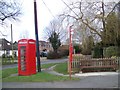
x=9, y=10
x=57, y=27
x=90, y=14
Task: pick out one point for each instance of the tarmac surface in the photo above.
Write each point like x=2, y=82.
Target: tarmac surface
x=87, y=80
x=42, y=62
x=109, y=81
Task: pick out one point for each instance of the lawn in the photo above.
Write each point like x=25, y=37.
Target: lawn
x=39, y=77
x=8, y=72
x=0, y=60
x=48, y=65
x=61, y=68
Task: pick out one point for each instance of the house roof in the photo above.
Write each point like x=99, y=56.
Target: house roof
x=6, y=45
x=44, y=43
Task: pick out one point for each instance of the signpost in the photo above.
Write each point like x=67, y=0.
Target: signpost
x=70, y=50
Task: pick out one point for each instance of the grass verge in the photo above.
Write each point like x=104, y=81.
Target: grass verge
x=48, y=65
x=39, y=77
x=8, y=72
x=61, y=68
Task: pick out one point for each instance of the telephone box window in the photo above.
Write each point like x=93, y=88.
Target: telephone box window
x=23, y=58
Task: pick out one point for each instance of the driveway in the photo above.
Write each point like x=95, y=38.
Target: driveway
x=107, y=81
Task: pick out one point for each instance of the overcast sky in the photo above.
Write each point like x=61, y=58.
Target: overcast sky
x=26, y=25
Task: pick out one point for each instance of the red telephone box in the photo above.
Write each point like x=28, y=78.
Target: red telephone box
x=26, y=57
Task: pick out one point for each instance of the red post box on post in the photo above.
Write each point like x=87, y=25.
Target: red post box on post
x=26, y=57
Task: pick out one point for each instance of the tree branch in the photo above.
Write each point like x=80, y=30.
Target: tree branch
x=9, y=10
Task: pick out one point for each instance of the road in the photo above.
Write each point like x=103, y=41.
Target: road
x=109, y=81
x=42, y=62
x=100, y=81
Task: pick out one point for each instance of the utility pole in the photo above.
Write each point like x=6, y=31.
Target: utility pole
x=36, y=35
x=12, y=43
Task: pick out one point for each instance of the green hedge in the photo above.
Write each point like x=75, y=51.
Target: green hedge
x=97, y=52
x=111, y=51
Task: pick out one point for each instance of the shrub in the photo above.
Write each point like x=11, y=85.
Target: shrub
x=53, y=55
x=86, y=51
x=77, y=48
x=64, y=53
x=78, y=56
x=97, y=52
x=10, y=56
x=111, y=51
x=3, y=55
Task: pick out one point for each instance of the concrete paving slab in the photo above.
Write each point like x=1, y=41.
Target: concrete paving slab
x=96, y=74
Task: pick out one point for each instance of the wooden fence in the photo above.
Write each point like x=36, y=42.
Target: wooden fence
x=79, y=64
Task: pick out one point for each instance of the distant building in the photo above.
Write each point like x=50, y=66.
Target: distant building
x=43, y=45
x=6, y=47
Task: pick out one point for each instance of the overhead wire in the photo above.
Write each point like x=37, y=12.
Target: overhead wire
x=69, y=7
x=48, y=9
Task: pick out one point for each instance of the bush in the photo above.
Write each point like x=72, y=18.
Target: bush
x=111, y=51
x=3, y=55
x=53, y=55
x=78, y=56
x=10, y=56
x=97, y=52
x=86, y=52
x=64, y=53
x=78, y=49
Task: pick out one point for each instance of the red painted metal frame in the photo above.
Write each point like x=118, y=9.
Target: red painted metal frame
x=70, y=51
